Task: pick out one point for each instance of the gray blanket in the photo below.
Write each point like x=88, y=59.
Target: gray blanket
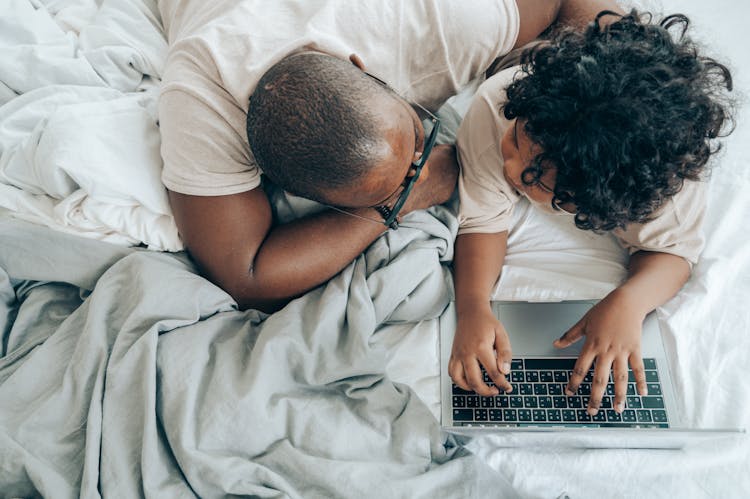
x=125, y=374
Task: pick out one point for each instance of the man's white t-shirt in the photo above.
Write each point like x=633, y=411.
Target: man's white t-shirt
x=426, y=50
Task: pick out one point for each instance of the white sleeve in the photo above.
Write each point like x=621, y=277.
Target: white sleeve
x=486, y=198
x=676, y=229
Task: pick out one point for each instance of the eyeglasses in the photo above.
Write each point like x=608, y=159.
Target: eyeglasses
x=390, y=214
x=566, y=207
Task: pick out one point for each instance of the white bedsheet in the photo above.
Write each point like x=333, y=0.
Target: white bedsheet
x=79, y=148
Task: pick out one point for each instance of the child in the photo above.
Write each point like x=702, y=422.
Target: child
x=613, y=127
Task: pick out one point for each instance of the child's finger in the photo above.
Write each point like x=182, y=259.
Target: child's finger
x=456, y=372
x=503, y=353
x=475, y=379
x=487, y=359
x=620, y=375
x=636, y=364
x=599, y=383
x=572, y=335
x=583, y=363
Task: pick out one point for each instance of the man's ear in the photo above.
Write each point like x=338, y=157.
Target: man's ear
x=354, y=58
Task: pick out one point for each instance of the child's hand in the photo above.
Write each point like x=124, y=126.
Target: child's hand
x=480, y=339
x=613, y=338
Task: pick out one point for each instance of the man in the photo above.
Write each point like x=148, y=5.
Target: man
x=426, y=50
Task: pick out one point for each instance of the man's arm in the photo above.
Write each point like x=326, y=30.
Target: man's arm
x=233, y=240
x=537, y=15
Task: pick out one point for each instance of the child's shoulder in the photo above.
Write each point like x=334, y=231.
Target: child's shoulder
x=677, y=227
x=493, y=88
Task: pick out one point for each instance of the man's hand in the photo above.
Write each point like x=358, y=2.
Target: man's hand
x=480, y=339
x=612, y=329
x=437, y=181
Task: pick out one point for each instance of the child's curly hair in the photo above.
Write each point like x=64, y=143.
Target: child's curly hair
x=624, y=112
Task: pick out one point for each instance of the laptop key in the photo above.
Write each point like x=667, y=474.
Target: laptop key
x=634, y=402
x=643, y=415
x=560, y=376
x=502, y=401
x=568, y=415
x=652, y=402
x=524, y=414
x=582, y=415
x=555, y=389
x=545, y=402
x=631, y=389
x=546, y=377
x=599, y=417
x=516, y=401
x=649, y=363
x=459, y=401
x=530, y=402
x=553, y=363
x=654, y=388
x=540, y=389
x=481, y=415
x=516, y=364
x=539, y=415
x=460, y=391
x=560, y=402
x=496, y=415
x=659, y=415
x=628, y=416
x=463, y=414
x=526, y=389
x=554, y=415
x=510, y=415
x=613, y=416
x=652, y=376
x=488, y=402
x=516, y=376
x=532, y=377
x=472, y=401
x=574, y=402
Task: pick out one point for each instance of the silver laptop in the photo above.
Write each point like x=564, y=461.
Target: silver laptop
x=537, y=411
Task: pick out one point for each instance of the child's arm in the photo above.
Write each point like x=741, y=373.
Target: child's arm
x=613, y=326
x=480, y=337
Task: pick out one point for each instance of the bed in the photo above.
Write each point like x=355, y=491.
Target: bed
x=123, y=373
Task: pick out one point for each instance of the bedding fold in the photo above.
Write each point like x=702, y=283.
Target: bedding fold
x=125, y=373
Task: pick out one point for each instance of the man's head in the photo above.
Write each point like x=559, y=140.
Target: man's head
x=614, y=119
x=321, y=128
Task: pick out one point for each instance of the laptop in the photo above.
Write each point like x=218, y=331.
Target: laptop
x=537, y=411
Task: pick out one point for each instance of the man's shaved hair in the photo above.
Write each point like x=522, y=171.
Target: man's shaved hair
x=309, y=125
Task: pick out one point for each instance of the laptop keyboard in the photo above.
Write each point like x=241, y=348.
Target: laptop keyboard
x=538, y=399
